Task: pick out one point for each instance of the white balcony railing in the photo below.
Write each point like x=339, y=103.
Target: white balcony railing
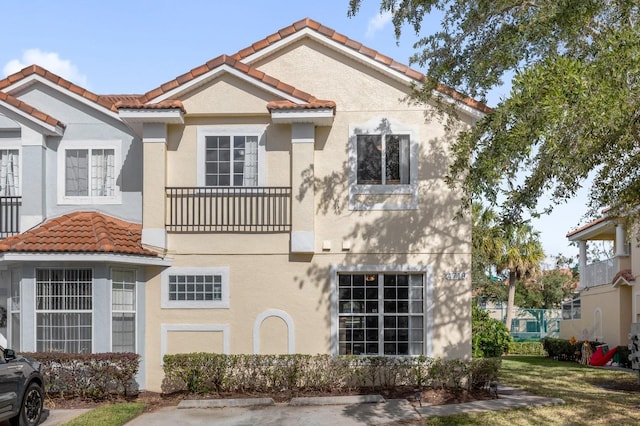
x=599, y=273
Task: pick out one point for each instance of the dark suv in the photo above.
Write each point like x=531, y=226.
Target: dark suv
x=21, y=389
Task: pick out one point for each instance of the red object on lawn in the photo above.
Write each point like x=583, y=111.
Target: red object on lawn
x=600, y=358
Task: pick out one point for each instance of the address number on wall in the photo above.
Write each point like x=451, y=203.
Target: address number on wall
x=455, y=276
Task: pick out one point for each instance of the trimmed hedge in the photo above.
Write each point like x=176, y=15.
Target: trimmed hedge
x=206, y=373
x=566, y=350
x=98, y=377
x=527, y=348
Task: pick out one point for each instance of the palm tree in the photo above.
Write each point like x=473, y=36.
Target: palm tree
x=512, y=249
x=520, y=258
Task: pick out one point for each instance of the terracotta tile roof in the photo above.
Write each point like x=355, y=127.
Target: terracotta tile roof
x=624, y=274
x=587, y=226
x=80, y=232
x=114, y=99
x=360, y=48
x=236, y=64
x=106, y=101
x=317, y=104
x=22, y=106
x=136, y=104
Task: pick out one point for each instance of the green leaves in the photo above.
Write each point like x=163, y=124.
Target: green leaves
x=573, y=109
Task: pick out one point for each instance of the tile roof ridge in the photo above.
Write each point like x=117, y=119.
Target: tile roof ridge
x=28, y=109
x=57, y=80
x=234, y=63
x=339, y=38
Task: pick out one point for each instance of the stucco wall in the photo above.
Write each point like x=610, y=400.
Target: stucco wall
x=263, y=275
x=84, y=123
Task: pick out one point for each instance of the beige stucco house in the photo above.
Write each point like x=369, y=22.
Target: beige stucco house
x=302, y=202
x=609, y=301
x=287, y=198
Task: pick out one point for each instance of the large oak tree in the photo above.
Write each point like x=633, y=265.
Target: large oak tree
x=574, y=107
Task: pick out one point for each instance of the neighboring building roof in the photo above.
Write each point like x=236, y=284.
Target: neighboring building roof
x=31, y=111
x=587, y=226
x=360, y=48
x=80, y=232
x=106, y=101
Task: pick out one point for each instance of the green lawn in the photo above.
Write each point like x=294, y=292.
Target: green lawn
x=109, y=415
x=585, y=402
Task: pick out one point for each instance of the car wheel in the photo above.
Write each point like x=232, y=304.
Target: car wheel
x=31, y=408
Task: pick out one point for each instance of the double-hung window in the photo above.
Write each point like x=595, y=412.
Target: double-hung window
x=380, y=314
x=383, y=159
x=64, y=310
x=383, y=166
x=123, y=310
x=230, y=156
x=195, y=288
x=9, y=172
x=88, y=172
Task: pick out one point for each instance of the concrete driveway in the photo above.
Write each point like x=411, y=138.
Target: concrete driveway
x=391, y=411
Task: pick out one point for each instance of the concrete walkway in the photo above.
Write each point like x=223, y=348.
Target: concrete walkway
x=317, y=411
x=313, y=411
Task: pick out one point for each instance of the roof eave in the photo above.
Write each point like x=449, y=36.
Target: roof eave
x=316, y=116
x=141, y=115
x=14, y=257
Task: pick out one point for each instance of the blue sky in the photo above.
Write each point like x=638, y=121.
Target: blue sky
x=132, y=46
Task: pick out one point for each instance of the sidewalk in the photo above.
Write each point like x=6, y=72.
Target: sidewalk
x=349, y=410
x=312, y=411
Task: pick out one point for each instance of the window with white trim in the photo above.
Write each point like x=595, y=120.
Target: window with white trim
x=380, y=314
x=383, y=159
x=195, y=288
x=64, y=310
x=123, y=310
x=383, y=166
x=88, y=171
x=10, y=172
x=230, y=156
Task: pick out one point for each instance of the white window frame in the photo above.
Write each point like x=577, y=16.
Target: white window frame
x=89, y=145
x=428, y=307
x=223, y=303
x=258, y=130
x=357, y=191
x=134, y=311
x=14, y=144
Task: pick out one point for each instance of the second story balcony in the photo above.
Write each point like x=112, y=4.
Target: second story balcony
x=228, y=209
x=600, y=272
x=10, y=215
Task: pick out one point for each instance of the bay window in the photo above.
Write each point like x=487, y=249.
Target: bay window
x=123, y=311
x=64, y=310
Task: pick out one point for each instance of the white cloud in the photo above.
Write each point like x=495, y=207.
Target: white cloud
x=378, y=22
x=49, y=60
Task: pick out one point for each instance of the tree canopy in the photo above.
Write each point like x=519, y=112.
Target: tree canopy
x=573, y=110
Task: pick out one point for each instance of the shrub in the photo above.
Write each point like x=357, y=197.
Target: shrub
x=566, y=350
x=89, y=376
x=527, y=348
x=203, y=373
x=490, y=337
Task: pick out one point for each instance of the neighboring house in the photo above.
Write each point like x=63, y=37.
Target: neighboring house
x=294, y=202
x=72, y=263
x=608, y=300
